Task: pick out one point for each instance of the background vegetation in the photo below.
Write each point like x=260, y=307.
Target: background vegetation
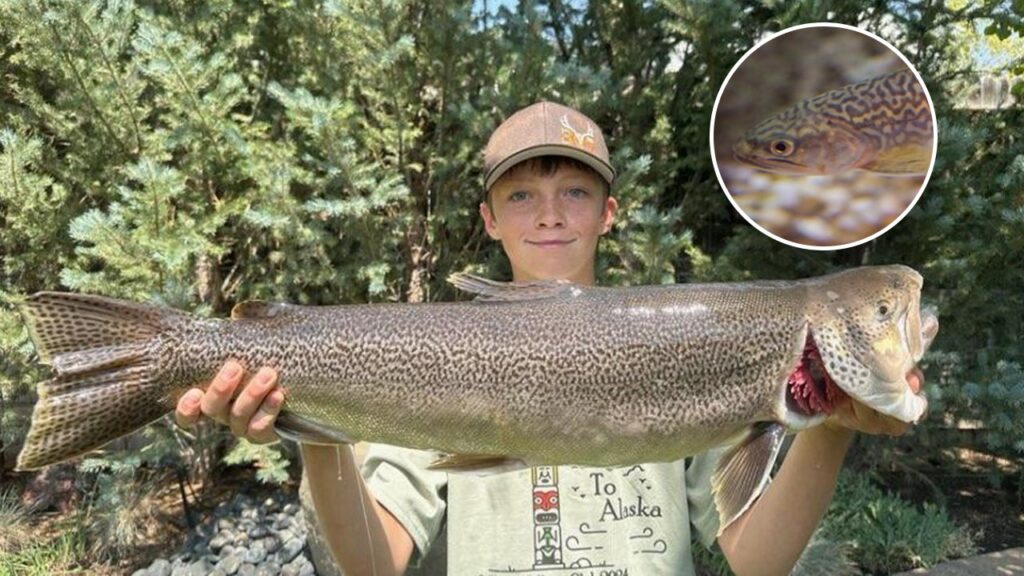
x=205, y=153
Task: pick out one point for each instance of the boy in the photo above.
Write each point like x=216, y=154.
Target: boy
x=548, y=201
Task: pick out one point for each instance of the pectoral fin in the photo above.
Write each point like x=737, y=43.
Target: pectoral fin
x=743, y=471
x=910, y=159
x=298, y=429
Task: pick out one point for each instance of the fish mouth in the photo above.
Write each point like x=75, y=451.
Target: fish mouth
x=773, y=165
x=810, y=390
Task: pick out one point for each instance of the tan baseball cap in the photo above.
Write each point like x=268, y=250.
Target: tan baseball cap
x=543, y=129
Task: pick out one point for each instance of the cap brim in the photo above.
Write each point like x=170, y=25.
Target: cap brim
x=599, y=166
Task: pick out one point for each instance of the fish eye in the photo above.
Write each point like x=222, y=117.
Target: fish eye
x=782, y=147
x=884, y=308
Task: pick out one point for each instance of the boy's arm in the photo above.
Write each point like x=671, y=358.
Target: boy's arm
x=770, y=536
x=360, y=531
x=376, y=543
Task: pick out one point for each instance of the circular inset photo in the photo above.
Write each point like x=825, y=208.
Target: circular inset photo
x=823, y=136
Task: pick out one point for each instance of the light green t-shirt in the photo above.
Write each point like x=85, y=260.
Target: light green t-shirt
x=547, y=520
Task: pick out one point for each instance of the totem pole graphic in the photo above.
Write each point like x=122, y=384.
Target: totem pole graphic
x=547, y=533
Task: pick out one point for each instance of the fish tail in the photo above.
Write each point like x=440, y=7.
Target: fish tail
x=107, y=384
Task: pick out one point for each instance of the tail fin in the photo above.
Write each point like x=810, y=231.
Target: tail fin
x=105, y=354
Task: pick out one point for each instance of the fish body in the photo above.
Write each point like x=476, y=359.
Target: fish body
x=881, y=125
x=544, y=372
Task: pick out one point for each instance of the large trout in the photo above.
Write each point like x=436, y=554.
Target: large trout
x=542, y=372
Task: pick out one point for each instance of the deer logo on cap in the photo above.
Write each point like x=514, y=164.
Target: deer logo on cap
x=575, y=138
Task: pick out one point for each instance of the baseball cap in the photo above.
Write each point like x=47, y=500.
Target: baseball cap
x=544, y=129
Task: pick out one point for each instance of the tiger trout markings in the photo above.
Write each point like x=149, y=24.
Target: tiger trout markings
x=541, y=372
x=881, y=125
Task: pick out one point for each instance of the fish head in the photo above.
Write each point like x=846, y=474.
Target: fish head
x=799, y=142
x=870, y=331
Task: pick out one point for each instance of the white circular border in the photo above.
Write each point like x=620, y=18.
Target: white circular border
x=931, y=165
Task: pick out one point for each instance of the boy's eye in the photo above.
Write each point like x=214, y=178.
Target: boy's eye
x=517, y=196
x=578, y=193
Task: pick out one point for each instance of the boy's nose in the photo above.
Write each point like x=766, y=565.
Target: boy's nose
x=550, y=214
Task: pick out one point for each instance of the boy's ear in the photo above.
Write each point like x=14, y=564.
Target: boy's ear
x=489, y=225
x=611, y=206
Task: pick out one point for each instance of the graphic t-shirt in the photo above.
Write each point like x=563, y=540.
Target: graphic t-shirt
x=547, y=520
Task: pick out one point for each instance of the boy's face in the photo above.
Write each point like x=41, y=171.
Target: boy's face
x=549, y=224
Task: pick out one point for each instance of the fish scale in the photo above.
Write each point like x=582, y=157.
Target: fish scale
x=883, y=124
x=544, y=373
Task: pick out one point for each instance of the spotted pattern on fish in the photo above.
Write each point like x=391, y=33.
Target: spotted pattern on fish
x=580, y=375
x=883, y=124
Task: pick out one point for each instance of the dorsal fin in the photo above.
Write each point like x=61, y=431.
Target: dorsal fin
x=488, y=290
x=260, y=310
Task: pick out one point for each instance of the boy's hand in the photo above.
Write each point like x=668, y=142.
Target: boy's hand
x=853, y=415
x=251, y=415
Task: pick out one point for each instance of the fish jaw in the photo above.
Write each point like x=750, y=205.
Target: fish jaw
x=869, y=354
x=753, y=152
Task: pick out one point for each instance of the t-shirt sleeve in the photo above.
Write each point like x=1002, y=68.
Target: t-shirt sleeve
x=415, y=495
x=703, y=512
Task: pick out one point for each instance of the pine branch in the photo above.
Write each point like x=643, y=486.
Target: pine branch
x=116, y=77
x=69, y=62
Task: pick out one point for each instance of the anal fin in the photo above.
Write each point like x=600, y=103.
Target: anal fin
x=483, y=463
x=743, y=471
x=303, y=430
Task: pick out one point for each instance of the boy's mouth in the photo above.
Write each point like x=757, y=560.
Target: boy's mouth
x=550, y=243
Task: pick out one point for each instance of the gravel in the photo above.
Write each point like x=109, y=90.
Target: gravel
x=244, y=537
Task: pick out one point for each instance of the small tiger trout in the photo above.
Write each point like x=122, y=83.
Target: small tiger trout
x=881, y=125
x=534, y=373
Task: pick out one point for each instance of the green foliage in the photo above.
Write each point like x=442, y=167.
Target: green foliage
x=14, y=520
x=114, y=518
x=62, y=555
x=888, y=534
x=709, y=562
x=824, y=556
x=269, y=460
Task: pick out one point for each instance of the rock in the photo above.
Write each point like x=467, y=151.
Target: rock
x=217, y=572
x=159, y=567
x=286, y=535
x=225, y=524
x=301, y=566
x=291, y=509
x=246, y=570
x=199, y=568
x=268, y=569
x=257, y=532
x=290, y=550
x=255, y=554
x=226, y=551
x=271, y=543
x=219, y=541
x=230, y=564
x=199, y=550
x=144, y=572
x=181, y=570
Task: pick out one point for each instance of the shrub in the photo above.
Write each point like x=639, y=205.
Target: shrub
x=888, y=534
